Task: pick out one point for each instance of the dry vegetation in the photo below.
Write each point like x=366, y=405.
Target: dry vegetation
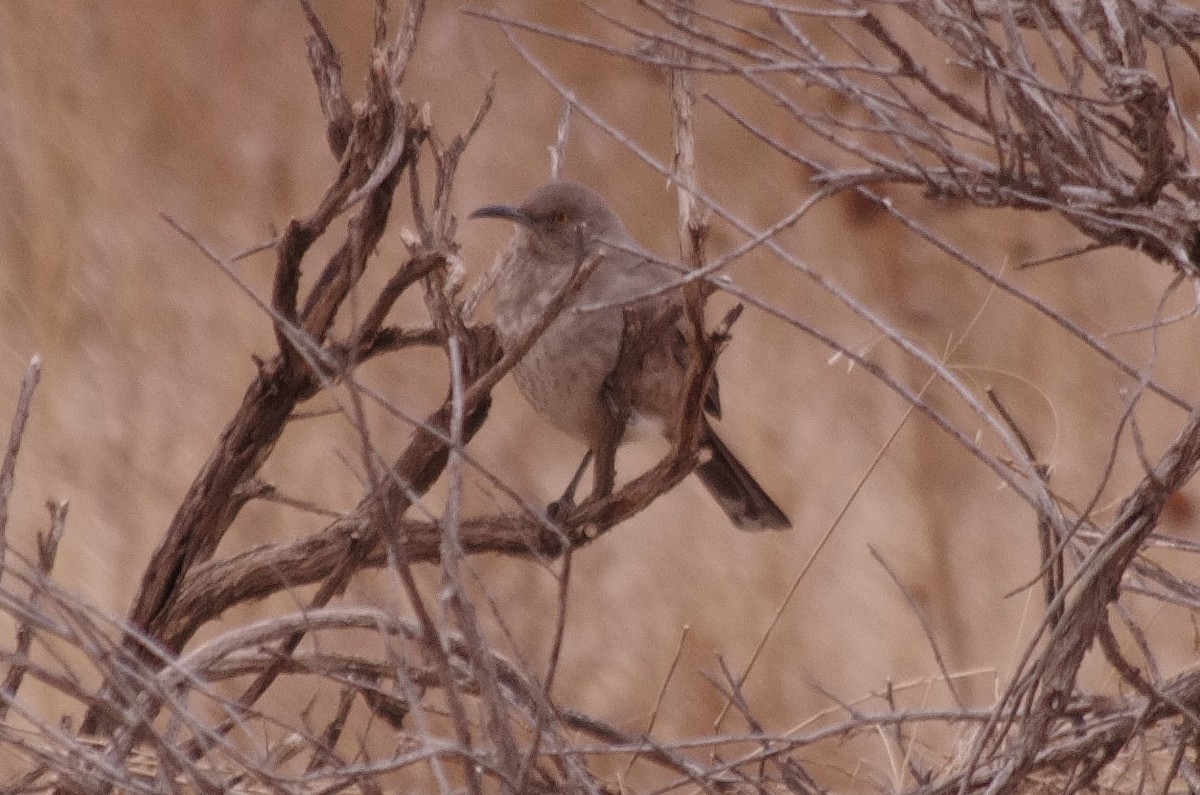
x=987, y=210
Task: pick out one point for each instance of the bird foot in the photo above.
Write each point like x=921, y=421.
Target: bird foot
x=558, y=510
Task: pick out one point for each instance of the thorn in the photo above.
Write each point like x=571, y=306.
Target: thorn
x=731, y=317
x=410, y=239
x=456, y=274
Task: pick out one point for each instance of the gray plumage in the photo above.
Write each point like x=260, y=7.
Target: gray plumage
x=563, y=374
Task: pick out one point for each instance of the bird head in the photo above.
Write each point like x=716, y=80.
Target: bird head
x=561, y=218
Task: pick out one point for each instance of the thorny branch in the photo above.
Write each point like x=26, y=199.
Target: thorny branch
x=1076, y=114
x=142, y=716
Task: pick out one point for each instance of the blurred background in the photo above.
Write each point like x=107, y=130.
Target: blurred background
x=112, y=115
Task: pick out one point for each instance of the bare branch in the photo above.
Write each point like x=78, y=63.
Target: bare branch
x=8, y=467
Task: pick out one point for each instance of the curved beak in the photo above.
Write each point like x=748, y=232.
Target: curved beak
x=507, y=212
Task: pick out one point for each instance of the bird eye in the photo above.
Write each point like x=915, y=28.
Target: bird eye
x=560, y=217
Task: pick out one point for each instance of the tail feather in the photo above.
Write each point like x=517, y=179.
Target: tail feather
x=736, y=490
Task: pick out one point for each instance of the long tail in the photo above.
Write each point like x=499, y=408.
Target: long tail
x=736, y=490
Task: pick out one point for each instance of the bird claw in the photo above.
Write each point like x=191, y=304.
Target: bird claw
x=559, y=509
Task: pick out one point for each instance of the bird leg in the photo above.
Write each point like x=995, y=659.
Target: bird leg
x=559, y=508
x=615, y=399
x=616, y=417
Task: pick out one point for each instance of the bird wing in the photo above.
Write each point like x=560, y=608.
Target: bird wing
x=633, y=275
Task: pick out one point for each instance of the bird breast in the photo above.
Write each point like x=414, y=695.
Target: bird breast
x=564, y=372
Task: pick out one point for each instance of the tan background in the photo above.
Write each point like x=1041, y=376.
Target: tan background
x=111, y=114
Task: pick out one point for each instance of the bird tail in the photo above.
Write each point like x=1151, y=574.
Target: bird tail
x=736, y=490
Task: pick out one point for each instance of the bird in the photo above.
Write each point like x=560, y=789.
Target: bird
x=563, y=375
